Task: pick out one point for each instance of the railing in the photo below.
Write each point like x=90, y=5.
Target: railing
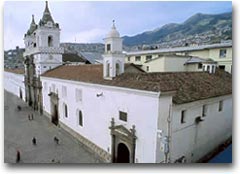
x=30, y=51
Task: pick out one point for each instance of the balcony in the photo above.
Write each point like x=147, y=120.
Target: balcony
x=49, y=50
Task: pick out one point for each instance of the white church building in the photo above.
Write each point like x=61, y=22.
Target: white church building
x=121, y=113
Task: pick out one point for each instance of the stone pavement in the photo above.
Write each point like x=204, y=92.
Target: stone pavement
x=19, y=131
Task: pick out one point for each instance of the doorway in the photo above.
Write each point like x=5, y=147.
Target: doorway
x=55, y=115
x=123, y=154
x=20, y=93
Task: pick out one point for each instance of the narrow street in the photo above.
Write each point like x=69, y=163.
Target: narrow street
x=19, y=132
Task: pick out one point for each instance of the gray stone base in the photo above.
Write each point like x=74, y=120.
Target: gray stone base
x=105, y=156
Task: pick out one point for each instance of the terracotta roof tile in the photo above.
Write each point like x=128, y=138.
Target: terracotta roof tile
x=189, y=86
x=17, y=71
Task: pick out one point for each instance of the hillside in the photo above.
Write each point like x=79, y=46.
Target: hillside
x=196, y=29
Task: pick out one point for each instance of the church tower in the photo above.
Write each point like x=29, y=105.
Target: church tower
x=113, y=62
x=42, y=43
x=42, y=52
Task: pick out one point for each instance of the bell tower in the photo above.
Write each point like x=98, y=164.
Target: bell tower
x=113, y=62
x=42, y=43
x=42, y=52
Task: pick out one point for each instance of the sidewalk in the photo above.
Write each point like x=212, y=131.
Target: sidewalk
x=19, y=131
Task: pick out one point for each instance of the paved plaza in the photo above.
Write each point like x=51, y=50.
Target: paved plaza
x=19, y=131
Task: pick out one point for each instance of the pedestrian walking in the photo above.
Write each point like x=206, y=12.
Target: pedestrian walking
x=32, y=117
x=29, y=117
x=56, y=140
x=18, y=156
x=34, y=141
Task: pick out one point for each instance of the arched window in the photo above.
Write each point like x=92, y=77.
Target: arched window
x=80, y=118
x=117, y=69
x=108, y=69
x=50, y=41
x=65, y=110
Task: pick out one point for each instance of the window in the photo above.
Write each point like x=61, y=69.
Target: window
x=65, y=110
x=183, y=116
x=108, y=69
x=122, y=116
x=45, y=86
x=222, y=67
x=208, y=68
x=50, y=41
x=108, y=47
x=80, y=118
x=204, y=110
x=138, y=58
x=64, y=91
x=149, y=57
x=53, y=87
x=147, y=68
x=200, y=66
x=220, y=106
x=117, y=69
x=34, y=45
x=129, y=59
x=78, y=95
x=222, y=53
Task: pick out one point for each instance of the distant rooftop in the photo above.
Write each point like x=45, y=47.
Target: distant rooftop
x=16, y=71
x=181, y=49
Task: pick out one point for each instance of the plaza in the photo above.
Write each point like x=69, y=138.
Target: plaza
x=19, y=131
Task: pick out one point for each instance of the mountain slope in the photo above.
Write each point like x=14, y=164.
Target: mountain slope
x=219, y=25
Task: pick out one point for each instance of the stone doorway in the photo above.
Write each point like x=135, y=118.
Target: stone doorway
x=123, y=154
x=20, y=93
x=54, y=108
x=55, y=115
x=123, y=143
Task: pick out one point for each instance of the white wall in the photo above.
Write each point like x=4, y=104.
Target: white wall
x=165, y=113
x=142, y=110
x=13, y=83
x=196, y=140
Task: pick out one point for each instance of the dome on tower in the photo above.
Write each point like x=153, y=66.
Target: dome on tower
x=113, y=32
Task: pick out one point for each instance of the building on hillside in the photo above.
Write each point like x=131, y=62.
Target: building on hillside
x=220, y=53
x=14, y=58
x=120, y=112
x=178, y=63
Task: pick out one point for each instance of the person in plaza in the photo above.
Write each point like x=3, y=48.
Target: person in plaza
x=18, y=156
x=34, y=141
x=29, y=117
x=56, y=140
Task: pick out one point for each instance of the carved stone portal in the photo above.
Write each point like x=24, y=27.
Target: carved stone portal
x=123, y=143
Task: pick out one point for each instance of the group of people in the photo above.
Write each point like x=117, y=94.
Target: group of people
x=34, y=142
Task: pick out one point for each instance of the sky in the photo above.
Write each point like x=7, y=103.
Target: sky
x=88, y=22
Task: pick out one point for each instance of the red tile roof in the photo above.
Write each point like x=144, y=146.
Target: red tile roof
x=189, y=86
x=16, y=71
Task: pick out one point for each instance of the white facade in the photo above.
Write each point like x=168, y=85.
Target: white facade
x=14, y=83
x=141, y=108
x=194, y=140
x=153, y=114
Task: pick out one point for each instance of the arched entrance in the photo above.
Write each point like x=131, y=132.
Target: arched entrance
x=54, y=107
x=55, y=115
x=20, y=93
x=123, y=154
x=123, y=143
